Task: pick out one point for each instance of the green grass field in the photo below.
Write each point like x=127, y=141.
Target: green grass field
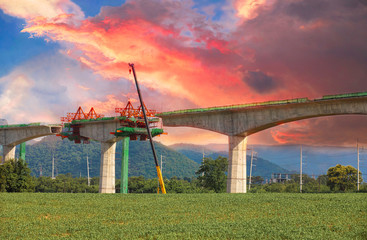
x=183, y=216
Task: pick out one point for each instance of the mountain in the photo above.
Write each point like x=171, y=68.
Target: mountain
x=261, y=167
x=71, y=158
x=316, y=159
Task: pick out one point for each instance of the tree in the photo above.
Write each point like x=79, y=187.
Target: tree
x=343, y=178
x=257, y=180
x=15, y=176
x=212, y=174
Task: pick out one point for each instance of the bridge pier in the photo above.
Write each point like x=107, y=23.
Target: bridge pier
x=107, y=171
x=8, y=153
x=236, y=180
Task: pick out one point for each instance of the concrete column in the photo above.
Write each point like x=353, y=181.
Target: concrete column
x=236, y=180
x=107, y=171
x=8, y=152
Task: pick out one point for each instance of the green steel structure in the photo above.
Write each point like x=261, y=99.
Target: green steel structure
x=125, y=165
x=347, y=95
x=142, y=132
x=20, y=125
x=22, y=151
x=247, y=105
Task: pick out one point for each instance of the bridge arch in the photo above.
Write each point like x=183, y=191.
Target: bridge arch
x=246, y=121
x=239, y=122
x=13, y=135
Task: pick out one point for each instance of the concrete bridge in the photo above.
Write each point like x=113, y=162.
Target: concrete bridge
x=81, y=130
x=101, y=131
x=106, y=131
x=13, y=135
x=240, y=121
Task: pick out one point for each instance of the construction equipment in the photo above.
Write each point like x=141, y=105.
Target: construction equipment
x=80, y=115
x=73, y=123
x=159, y=173
x=130, y=111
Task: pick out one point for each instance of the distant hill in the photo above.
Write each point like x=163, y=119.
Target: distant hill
x=182, y=160
x=71, y=158
x=316, y=160
x=261, y=166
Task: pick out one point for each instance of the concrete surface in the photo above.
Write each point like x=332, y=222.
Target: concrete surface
x=240, y=123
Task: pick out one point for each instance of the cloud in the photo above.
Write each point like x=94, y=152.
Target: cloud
x=259, y=81
x=51, y=85
x=308, y=10
x=188, y=135
x=45, y=88
x=248, y=9
x=13, y=94
x=325, y=131
x=50, y=9
x=178, y=57
x=184, y=59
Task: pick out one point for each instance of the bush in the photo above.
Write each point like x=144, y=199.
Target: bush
x=15, y=176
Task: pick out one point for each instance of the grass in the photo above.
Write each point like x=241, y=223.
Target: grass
x=183, y=216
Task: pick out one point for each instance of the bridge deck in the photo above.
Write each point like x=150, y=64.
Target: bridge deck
x=267, y=103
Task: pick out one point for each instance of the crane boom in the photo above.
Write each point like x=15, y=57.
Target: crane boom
x=159, y=173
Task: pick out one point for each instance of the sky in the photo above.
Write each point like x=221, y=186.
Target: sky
x=56, y=55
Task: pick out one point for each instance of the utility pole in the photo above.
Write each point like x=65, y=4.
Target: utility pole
x=53, y=166
x=252, y=157
x=300, y=175
x=161, y=164
x=357, y=166
x=88, y=170
x=202, y=161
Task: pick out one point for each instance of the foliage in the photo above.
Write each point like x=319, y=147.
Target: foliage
x=66, y=184
x=256, y=180
x=343, y=178
x=310, y=185
x=15, y=177
x=363, y=187
x=262, y=168
x=173, y=185
x=212, y=174
x=183, y=216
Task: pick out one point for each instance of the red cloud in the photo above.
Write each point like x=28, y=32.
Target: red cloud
x=187, y=58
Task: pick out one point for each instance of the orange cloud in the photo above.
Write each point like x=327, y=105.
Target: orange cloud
x=167, y=61
x=314, y=25
x=193, y=136
x=106, y=107
x=247, y=9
